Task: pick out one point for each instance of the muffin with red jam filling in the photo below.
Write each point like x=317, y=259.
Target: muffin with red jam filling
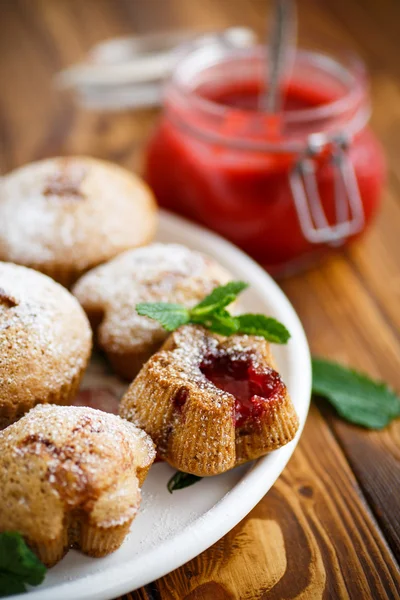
x=211, y=402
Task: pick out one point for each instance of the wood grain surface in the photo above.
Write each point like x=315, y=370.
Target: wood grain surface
x=330, y=527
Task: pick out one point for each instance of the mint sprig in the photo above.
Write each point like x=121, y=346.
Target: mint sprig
x=211, y=313
x=18, y=565
x=171, y=316
x=269, y=328
x=220, y=297
x=356, y=397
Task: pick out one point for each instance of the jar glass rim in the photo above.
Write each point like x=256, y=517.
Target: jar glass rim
x=353, y=72
x=195, y=59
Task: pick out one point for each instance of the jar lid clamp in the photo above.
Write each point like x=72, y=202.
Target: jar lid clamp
x=349, y=212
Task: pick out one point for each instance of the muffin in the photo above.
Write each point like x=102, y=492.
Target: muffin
x=45, y=342
x=211, y=402
x=71, y=477
x=157, y=273
x=63, y=216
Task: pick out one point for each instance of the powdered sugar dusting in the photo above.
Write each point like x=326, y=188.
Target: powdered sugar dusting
x=156, y=273
x=72, y=213
x=188, y=347
x=199, y=424
x=85, y=453
x=45, y=339
x=67, y=181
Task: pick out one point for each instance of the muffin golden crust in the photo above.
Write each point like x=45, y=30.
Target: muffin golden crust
x=210, y=402
x=45, y=342
x=157, y=273
x=71, y=476
x=63, y=216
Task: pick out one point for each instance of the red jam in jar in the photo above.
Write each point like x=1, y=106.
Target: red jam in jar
x=285, y=188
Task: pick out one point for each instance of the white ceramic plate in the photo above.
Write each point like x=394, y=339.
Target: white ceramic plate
x=172, y=529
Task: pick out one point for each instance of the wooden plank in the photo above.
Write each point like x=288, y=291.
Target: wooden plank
x=375, y=264
x=313, y=523
x=375, y=457
x=343, y=322
x=376, y=259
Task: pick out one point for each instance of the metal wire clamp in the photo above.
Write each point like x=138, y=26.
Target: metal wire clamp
x=349, y=211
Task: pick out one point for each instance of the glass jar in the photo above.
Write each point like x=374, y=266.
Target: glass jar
x=285, y=188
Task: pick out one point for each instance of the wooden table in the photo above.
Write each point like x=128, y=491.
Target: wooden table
x=330, y=527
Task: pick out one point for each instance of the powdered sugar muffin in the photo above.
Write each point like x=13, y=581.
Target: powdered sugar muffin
x=63, y=216
x=71, y=476
x=45, y=342
x=211, y=402
x=156, y=273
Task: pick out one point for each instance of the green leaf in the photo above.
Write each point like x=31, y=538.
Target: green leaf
x=171, y=316
x=266, y=327
x=220, y=297
x=18, y=564
x=220, y=322
x=356, y=397
x=211, y=313
x=10, y=585
x=181, y=480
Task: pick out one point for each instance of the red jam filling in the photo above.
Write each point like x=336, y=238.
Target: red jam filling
x=252, y=389
x=180, y=397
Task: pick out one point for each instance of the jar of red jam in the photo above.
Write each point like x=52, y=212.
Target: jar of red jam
x=286, y=188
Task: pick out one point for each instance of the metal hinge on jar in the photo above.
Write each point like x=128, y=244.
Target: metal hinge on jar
x=349, y=211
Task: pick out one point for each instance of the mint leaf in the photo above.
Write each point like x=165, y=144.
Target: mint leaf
x=10, y=585
x=211, y=314
x=266, y=327
x=356, y=397
x=18, y=564
x=220, y=322
x=171, y=316
x=220, y=297
x=181, y=480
